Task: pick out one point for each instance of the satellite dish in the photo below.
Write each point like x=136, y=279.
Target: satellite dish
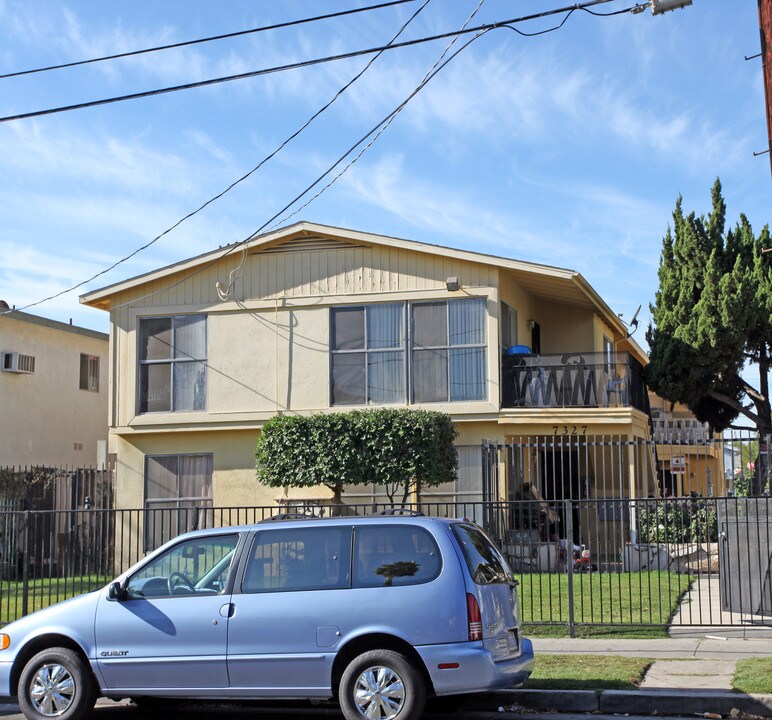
x=634, y=321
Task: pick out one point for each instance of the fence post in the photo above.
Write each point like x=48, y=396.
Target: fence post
x=570, y=565
x=25, y=566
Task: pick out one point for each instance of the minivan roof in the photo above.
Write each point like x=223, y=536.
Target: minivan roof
x=342, y=520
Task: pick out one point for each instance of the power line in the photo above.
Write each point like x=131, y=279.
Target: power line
x=242, y=178
x=378, y=128
x=199, y=41
x=303, y=64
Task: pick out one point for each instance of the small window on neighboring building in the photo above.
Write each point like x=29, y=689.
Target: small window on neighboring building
x=89, y=372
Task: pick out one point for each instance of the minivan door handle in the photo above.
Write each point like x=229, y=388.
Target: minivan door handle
x=228, y=610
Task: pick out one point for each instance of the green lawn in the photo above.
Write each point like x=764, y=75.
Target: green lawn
x=753, y=675
x=587, y=672
x=633, y=605
x=43, y=593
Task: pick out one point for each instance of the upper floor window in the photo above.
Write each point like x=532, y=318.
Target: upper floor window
x=172, y=363
x=448, y=351
x=447, y=361
x=508, y=326
x=89, y=372
x=368, y=354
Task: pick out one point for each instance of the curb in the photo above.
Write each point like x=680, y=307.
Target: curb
x=633, y=702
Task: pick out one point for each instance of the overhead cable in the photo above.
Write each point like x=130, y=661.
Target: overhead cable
x=301, y=64
x=230, y=187
x=211, y=38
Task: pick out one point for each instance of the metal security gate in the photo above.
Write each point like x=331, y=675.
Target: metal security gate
x=745, y=552
x=590, y=527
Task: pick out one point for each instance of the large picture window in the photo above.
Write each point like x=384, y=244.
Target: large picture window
x=172, y=364
x=178, y=496
x=369, y=349
x=368, y=355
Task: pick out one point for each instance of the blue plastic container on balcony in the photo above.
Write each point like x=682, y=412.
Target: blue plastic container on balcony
x=518, y=350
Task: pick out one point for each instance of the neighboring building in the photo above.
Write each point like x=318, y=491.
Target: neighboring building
x=691, y=458
x=53, y=393
x=312, y=318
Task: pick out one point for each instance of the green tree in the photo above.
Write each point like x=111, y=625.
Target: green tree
x=712, y=316
x=401, y=450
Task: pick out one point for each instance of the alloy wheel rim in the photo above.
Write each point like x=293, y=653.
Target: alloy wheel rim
x=52, y=690
x=379, y=693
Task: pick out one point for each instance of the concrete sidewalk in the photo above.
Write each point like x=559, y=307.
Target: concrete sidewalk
x=689, y=676
x=708, y=647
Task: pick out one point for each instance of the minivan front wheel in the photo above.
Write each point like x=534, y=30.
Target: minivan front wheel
x=382, y=685
x=56, y=683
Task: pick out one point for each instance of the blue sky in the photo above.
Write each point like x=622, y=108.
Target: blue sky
x=567, y=149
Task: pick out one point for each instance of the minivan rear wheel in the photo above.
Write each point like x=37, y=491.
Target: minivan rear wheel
x=382, y=685
x=57, y=683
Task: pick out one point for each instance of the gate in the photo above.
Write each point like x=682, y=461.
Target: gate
x=588, y=526
x=745, y=552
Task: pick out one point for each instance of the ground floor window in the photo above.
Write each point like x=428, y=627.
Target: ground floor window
x=178, y=496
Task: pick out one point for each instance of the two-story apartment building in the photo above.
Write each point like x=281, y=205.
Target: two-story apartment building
x=53, y=392
x=312, y=318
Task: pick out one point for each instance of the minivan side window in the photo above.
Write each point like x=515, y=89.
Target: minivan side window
x=486, y=564
x=316, y=558
x=390, y=555
x=199, y=566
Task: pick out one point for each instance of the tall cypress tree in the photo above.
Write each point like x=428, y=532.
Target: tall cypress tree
x=711, y=317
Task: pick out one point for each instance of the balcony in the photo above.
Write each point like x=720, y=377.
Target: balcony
x=572, y=380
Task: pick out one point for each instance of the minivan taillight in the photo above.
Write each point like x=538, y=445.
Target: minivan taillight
x=473, y=617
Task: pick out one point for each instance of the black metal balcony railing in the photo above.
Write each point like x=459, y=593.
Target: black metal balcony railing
x=572, y=380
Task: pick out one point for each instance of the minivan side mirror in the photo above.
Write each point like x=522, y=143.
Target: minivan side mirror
x=116, y=591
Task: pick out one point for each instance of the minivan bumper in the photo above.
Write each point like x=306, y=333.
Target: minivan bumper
x=476, y=671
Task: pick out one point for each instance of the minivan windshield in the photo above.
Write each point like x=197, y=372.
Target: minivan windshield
x=486, y=564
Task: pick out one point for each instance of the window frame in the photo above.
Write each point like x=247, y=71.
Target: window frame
x=203, y=502
x=403, y=349
x=448, y=348
x=509, y=323
x=89, y=363
x=171, y=361
x=409, y=348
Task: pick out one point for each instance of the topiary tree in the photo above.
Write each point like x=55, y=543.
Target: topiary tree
x=398, y=449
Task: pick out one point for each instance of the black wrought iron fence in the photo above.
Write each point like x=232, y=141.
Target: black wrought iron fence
x=646, y=566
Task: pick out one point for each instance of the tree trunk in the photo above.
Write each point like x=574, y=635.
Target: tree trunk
x=762, y=474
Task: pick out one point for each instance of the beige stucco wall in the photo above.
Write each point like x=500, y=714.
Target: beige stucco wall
x=565, y=328
x=46, y=418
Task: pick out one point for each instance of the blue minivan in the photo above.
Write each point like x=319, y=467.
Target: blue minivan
x=378, y=612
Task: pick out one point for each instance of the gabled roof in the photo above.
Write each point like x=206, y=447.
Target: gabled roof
x=544, y=281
